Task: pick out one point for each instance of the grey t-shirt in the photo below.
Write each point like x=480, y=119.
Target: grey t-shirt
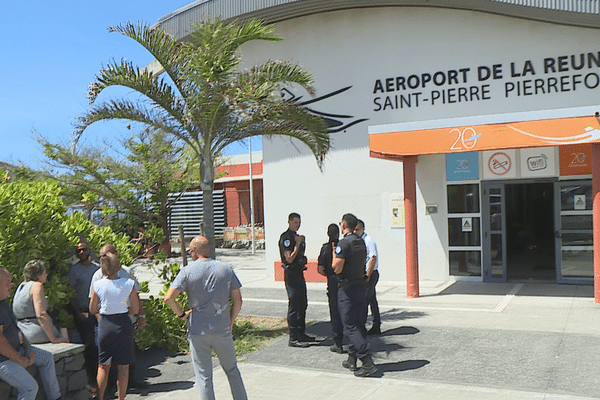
x=208, y=283
x=80, y=277
x=9, y=326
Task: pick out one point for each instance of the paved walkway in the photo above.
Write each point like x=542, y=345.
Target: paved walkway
x=457, y=341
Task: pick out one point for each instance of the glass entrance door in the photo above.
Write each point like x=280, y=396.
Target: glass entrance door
x=494, y=237
x=574, y=234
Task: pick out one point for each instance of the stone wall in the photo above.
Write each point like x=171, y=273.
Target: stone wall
x=72, y=378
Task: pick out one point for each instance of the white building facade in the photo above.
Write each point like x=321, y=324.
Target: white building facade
x=509, y=211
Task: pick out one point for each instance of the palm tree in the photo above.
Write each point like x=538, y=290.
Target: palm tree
x=207, y=101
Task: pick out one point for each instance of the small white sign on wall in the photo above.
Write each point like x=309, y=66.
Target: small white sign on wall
x=499, y=164
x=579, y=202
x=397, y=210
x=537, y=162
x=467, y=224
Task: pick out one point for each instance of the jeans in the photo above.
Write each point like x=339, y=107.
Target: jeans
x=201, y=347
x=16, y=376
x=86, y=333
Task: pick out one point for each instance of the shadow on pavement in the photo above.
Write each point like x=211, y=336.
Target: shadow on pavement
x=395, y=314
x=158, y=371
x=161, y=388
x=402, y=330
x=527, y=289
x=400, y=366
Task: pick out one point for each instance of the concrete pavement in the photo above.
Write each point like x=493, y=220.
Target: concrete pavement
x=457, y=341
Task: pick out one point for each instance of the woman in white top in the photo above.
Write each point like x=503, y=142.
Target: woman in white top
x=110, y=301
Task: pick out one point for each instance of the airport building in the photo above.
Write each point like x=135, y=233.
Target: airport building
x=465, y=133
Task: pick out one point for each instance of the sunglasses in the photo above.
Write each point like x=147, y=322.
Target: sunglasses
x=80, y=250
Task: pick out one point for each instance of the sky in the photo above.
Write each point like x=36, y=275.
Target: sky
x=51, y=52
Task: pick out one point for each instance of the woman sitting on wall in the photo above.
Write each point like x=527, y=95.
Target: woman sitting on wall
x=30, y=307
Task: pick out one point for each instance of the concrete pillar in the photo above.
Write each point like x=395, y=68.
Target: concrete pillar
x=410, y=212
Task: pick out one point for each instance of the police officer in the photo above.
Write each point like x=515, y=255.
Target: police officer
x=371, y=270
x=349, y=264
x=324, y=268
x=291, y=249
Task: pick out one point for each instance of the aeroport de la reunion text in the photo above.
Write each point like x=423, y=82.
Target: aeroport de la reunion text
x=528, y=78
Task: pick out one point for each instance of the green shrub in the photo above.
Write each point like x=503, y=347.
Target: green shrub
x=163, y=328
x=34, y=225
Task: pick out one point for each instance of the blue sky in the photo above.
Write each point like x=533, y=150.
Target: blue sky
x=51, y=53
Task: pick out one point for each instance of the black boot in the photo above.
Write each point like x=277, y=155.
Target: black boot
x=303, y=337
x=368, y=368
x=337, y=348
x=294, y=342
x=350, y=363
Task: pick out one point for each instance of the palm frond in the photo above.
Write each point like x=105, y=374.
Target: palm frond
x=276, y=74
x=128, y=110
x=173, y=56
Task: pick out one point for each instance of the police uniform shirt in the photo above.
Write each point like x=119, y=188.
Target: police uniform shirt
x=326, y=256
x=287, y=241
x=352, y=249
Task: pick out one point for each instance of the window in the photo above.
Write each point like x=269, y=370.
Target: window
x=464, y=230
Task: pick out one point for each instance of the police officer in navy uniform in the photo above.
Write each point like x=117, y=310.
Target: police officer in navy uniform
x=291, y=249
x=349, y=264
x=324, y=268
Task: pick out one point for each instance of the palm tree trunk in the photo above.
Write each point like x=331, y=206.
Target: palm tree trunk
x=207, y=173
x=209, y=220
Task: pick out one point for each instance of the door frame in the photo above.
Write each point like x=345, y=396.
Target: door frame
x=486, y=187
x=486, y=224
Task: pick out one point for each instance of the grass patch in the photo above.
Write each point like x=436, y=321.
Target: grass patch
x=254, y=333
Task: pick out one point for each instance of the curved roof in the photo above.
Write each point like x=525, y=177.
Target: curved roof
x=570, y=12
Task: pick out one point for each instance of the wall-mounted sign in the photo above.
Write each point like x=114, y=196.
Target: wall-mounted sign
x=431, y=209
x=462, y=166
x=579, y=202
x=537, y=162
x=393, y=140
x=575, y=159
x=467, y=224
x=499, y=164
x=397, y=210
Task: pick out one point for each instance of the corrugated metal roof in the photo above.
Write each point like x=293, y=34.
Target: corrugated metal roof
x=570, y=12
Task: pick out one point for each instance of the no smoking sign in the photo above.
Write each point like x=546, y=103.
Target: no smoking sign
x=499, y=164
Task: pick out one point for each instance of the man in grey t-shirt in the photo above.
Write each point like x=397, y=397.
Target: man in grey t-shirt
x=209, y=284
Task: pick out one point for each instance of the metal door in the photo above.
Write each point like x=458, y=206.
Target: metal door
x=494, y=232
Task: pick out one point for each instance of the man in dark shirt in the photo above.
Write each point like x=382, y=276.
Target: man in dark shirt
x=324, y=267
x=16, y=353
x=80, y=278
x=291, y=250
x=349, y=264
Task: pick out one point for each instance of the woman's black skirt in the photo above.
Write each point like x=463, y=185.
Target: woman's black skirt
x=115, y=339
